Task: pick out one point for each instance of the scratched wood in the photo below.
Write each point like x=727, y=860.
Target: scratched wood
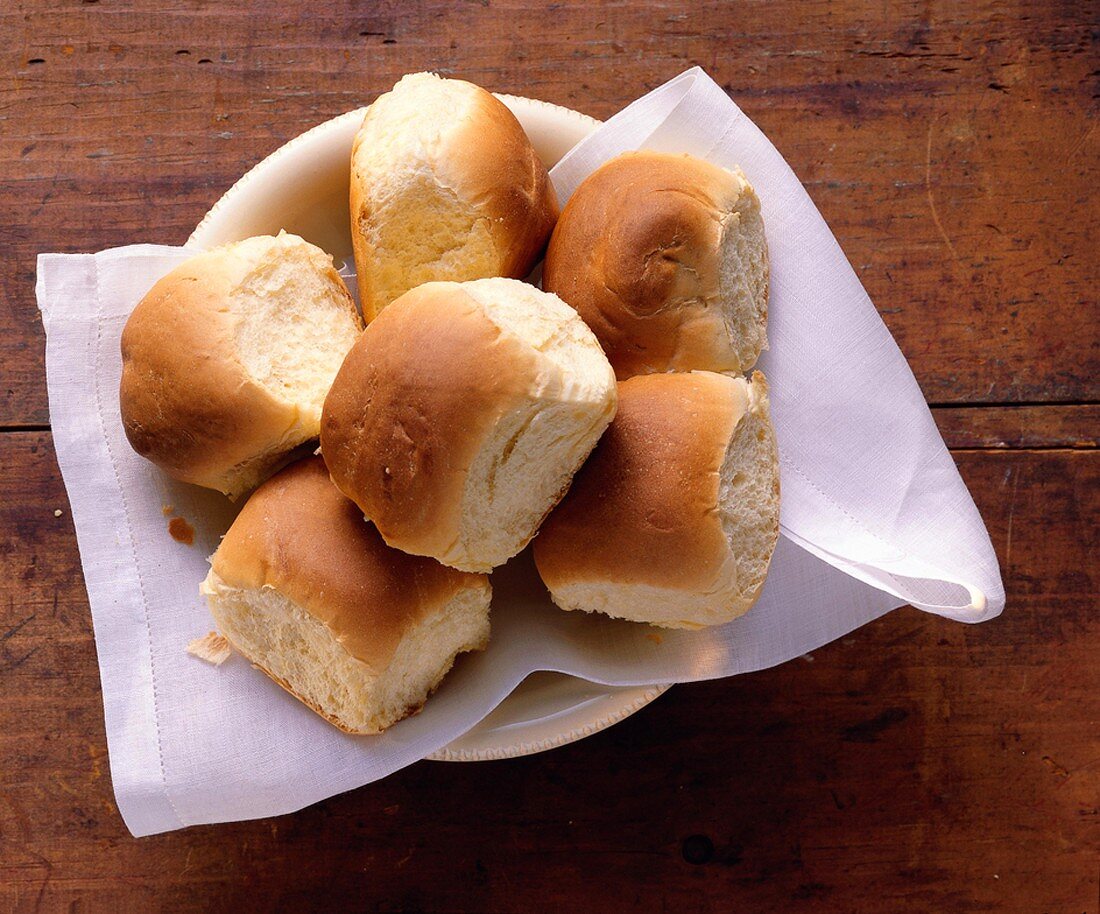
x=1020, y=426
x=950, y=146
x=917, y=765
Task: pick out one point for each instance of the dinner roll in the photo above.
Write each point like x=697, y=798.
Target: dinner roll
x=307, y=591
x=445, y=185
x=227, y=360
x=460, y=416
x=674, y=518
x=665, y=259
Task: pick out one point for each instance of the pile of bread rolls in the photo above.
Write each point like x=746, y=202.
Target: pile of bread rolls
x=608, y=412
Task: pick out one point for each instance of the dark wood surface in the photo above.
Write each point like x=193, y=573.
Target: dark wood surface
x=916, y=765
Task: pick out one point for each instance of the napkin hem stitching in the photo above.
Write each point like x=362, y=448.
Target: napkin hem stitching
x=130, y=540
x=786, y=461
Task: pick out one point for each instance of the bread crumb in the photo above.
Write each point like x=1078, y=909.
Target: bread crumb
x=56, y=512
x=211, y=647
x=655, y=638
x=181, y=531
x=166, y=510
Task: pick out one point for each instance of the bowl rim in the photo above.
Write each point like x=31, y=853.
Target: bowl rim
x=272, y=159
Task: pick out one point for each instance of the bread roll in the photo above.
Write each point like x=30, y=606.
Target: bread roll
x=665, y=259
x=308, y=592
x=460, y=416
x=674, y=518
x=445, y=185
x=227, y=360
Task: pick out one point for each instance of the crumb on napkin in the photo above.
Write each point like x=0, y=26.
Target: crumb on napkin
x=211, y=647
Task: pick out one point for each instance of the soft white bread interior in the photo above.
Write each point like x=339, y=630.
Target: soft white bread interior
x=664, y=256
x=445, y=185
x=674, y=518
x=460, y=416
x=227, y=360
x=306, y=590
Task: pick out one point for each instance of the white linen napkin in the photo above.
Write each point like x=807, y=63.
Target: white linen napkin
x=874, y=515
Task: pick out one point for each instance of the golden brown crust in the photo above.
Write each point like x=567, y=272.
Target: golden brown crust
x=643, y=509
x=478, y=160
x=219, y=417
x=398, y=434
x=494, y=163
x=637, y=253
x=301, y=536
x=188, y=402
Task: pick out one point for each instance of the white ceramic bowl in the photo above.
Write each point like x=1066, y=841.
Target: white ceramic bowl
x=303, y=187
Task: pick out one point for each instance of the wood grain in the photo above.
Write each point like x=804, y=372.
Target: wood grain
x=951, y=147
x=1019, y=426
x=916, y=765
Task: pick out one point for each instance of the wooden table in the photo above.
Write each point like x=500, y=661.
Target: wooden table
x=917, y=765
